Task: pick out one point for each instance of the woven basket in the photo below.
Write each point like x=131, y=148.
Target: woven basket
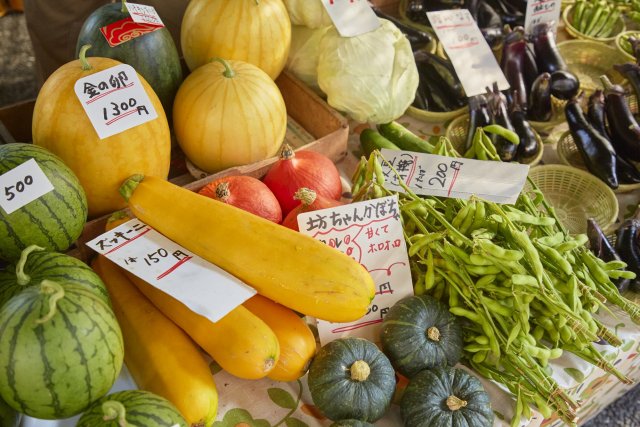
x=457, y=135
x=570, y=155
x=619, y=40
x=575, y=196
x=557, y=117
x=589, y=60
x=567, y=17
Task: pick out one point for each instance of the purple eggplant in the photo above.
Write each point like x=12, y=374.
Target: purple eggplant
x=513, y=57
x=596, y=113
x=529, y=144
x=627, y=172
x=479, y=116
x=564, y=85
x=498, y=107
x=627, y=248
x=596, y=150
x=625, y=130
x=632, y=73
x=540, y=99
x=600, y=246
x=531, y=72
x=547, y=55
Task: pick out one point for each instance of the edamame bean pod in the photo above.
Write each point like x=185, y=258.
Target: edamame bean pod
x=525, y=218
x=423, y=242
x=462, y=312
x=551, y=241
x=555, y=258
x=598, y=274
x=466, y=224
x=429, y=277
x=498, y=251
x=476, y=259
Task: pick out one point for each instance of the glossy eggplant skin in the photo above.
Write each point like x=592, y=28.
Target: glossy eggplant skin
x=627, y=248
x=499, y=110
x=596, y=113
x=564, y=85
x=627, y=172
x=625, y=130
x=418, y=39
x=540, y=99
x=488, y=20
x=529, y=144
x=440, y=77
x=479, y=116
x=513, y=59
x=546, y=52
x=531, y=72
x=597, y=152
x=600, y=246
x=632, y=72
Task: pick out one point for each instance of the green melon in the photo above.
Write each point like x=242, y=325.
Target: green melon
x=9, y=417
x=135, y=408
x=53, y=221
x=36, y=265
x=153, y=55
x=61, y=349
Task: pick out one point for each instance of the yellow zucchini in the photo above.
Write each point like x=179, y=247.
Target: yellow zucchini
x=288, y=267
x=297, y=343
x=160, y=357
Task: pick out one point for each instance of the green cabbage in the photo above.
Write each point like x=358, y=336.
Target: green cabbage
x=310, y=13
x=372, y=77
x=304, y=53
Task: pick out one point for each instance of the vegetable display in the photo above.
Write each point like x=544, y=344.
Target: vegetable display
x=594, y=19
x=439, y=88
x=311, y=201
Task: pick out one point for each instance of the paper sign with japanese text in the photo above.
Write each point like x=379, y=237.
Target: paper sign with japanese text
x=371, y=233
x=144, y=14
x=198, y=284
x=471, y=56
x=351, y=17
x=114, y=100
x=433, y=175
x=540, y=11
x=22, y=185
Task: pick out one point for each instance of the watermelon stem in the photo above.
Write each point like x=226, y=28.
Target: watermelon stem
x=228, y=71
x=124, y=6
x=112, y=410
x=56, y=291
x=21, y=277
x=83, y=57
x=129, y=186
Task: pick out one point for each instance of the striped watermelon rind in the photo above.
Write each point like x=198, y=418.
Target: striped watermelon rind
x=57, y=368
x=44, y=265
x=9, y=417
x=142, y=408
x=53, y=221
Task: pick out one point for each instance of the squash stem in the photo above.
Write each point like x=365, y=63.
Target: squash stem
x=228, y=71
x=306, y=195
x=360, y=370
x=454, y=403
x=222, y=191
x=433, y=334
x=112, y=410
x=56, y=291
x=129, y=186
x=21, y=277
x=83, y=57
x=124, y=9
x=287, y=152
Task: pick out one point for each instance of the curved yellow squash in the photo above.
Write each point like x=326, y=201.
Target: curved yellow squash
x=288, y=267
x=228, y=115
x=61, y=126
x=255, y=31
x=161, y=358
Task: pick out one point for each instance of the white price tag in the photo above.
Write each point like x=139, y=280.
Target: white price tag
x=371, y=233
x=22, y=185
x=471, y=56
x=433, y=175
x=144, y=14
x=198, y=284
x=351, y=17
x=114, y=100
x=539, y=11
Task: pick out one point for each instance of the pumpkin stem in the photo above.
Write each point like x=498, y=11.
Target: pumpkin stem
x=21, y=277
x=257, y=2
x=123, y=9
x=49, y=287
x=360, y=370
x=222, y=191
x=454, y=403
x=287, y=152
x=306, y=195
x=433, y=334
x=83, y=57
x=112, y=409
x=228, y=71
x=129, y=186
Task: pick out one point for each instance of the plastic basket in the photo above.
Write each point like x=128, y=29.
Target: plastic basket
x=576, y=196
x=457, y=134
x=567, y=17
x=570, y=155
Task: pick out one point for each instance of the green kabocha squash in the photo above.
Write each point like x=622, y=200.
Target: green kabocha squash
x=446, y=397
x=153, y=55
x=350, y=378
x=36, y=264
x=351, y=423
x=132, y=408
x=418, y=333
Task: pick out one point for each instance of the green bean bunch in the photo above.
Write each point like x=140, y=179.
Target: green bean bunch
x=526, y=288
x=595, y=18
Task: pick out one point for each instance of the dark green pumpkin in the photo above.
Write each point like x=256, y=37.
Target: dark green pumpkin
x=38, y=265
x=446, y=397
x=351, y=423
x=9, y=417
x=153, y=55
x=419, y=333
x=350, y=378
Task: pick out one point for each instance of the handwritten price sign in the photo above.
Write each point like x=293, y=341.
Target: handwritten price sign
x=371, y=233
x=471, y=56
x=114, y=100
x=351, y=17
x=433, y=175
x=22, y=185
x=539, y=11
x=144, y=14
x=198, y=284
